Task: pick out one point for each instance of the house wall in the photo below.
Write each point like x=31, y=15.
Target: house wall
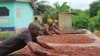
x=65, y=21
x=7, y=22
x=23, y=14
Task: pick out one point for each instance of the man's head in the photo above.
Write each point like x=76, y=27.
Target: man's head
x=50, y=21
x=34, y=29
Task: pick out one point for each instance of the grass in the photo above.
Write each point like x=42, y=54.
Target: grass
x=6, y=34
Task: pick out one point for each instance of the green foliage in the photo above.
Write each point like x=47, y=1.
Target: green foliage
x=61, y=8
x=97, y=21
x=91, y=24
x=5, y=35
x=87, y=12
x=94, y=7
x=81, y=21
x=53, y=12
x=76, y=11
x=50, y=13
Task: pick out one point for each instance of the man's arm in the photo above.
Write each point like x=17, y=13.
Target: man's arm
x=36, y=50
x=47, y=30
x=57, y=31
x=56, y=26
x=43, y=44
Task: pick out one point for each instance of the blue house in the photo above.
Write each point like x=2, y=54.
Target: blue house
x=15, y=14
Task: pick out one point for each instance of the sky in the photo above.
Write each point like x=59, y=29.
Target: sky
x=76, y=4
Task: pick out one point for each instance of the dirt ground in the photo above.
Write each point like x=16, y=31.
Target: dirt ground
x=66, y=45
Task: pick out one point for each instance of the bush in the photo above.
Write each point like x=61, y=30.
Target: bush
x=97, y=21
x=91, y=24
x=5, y=35
x=81, y=21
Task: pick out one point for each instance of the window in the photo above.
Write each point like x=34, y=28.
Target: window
x=4, y=11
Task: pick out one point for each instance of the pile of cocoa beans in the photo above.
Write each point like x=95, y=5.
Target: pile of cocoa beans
x=67, y=38
x=64, y=50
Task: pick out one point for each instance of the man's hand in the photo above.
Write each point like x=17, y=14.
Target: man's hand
x=57, y=31
x=45, y=45
x=33, y=47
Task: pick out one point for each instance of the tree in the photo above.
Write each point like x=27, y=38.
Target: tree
x=81, y=21
x=87, y=12
x=40, y=6
x=97, y=21
x=61, y=8
x=53, y=12
x=49, y=14
x=76, y=11
x=94, y=7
